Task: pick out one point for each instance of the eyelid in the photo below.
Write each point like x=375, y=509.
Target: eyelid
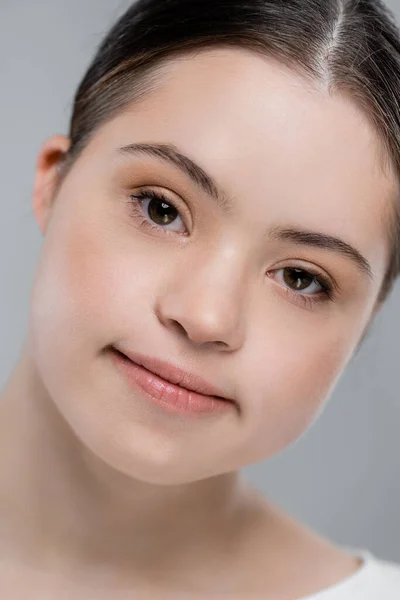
x=324, y=297
x=176, y=201
x=310, y=301
x=318, y=272
x=135, y=202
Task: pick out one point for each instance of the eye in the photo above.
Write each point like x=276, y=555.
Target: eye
x=300, y=279
x=156, y=211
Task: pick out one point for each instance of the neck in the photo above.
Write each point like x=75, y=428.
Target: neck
x=61, y=507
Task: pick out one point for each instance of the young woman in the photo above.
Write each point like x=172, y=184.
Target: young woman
x=221, y=225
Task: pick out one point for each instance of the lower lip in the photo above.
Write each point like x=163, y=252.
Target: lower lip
x=168, y=396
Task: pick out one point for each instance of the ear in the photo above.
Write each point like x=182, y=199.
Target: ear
x=47, y=176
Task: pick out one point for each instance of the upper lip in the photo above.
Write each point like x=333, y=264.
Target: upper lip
x=175, y=375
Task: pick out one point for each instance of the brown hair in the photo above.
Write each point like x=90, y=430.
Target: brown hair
x=347, y=45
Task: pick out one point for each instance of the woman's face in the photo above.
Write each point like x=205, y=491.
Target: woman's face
x=212, y=291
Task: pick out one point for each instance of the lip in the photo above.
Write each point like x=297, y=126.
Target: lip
x=175, y=375
x=169, y=385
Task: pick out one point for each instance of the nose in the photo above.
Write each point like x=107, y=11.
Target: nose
x=205, y=303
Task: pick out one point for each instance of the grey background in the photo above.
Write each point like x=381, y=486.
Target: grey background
x=342, y=476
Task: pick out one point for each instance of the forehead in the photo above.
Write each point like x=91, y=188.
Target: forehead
x=279, y=145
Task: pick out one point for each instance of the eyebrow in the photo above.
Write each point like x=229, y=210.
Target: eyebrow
x=171, y=154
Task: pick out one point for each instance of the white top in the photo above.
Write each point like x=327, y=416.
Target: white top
x=376, y=579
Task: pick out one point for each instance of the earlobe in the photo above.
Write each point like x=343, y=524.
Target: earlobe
x=47, y=176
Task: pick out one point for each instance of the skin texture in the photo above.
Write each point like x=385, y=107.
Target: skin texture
x=105, y=489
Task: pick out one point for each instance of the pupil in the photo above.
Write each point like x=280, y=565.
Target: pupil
x=161, y=216
x=294, y=280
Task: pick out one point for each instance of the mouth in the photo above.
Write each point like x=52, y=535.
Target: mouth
x=169, y=386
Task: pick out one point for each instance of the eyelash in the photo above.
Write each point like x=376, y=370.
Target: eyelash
x=310, y=301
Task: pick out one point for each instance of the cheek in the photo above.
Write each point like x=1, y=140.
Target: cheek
x=91, y=282
x=84, y=285
x=291, y=383
x=68, y=288
x=87, y=293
